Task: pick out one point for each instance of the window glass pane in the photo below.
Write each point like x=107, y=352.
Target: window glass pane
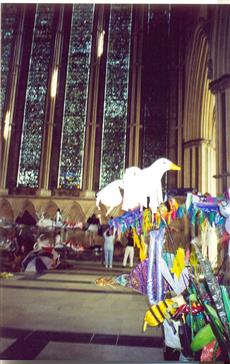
x=34, y=114
x=116, y=95
x=9, y=14
x=73, y=134
x=156, y=85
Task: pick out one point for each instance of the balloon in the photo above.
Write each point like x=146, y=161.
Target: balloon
x=202, y=338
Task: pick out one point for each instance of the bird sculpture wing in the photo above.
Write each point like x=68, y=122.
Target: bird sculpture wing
x=131, y=187
x=110, y=195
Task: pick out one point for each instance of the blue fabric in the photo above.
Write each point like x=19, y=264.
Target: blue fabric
x=108, y=256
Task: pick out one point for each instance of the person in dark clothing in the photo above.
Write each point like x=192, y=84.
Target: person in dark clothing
x=93, y=225
x=129, y=250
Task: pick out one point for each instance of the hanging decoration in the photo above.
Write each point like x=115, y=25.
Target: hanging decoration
x=144, y=221
x=155, y=252
x=193, y=309
x=212, y=283
x=158, y=313
x=201, y=208
x=178, y=262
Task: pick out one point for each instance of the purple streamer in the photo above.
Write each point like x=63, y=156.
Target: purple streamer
x=155, y=251
x=152, y=246
x=159, y=246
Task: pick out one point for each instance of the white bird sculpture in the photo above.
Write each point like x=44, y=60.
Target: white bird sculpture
x=138, y=185
x=150, y=183
x=110, y=195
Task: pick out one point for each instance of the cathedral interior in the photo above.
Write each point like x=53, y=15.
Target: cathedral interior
x=88, y=90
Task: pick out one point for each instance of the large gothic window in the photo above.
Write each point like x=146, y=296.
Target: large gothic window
x=116, y=94
x=73, y=134
x=35, y=106
x=155, y=84
x=9, y=14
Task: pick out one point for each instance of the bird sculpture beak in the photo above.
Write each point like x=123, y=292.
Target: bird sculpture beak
x=174, y=167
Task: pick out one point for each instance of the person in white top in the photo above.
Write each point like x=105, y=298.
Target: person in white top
x=57, y=239
x=129, y=250
x=58, y=218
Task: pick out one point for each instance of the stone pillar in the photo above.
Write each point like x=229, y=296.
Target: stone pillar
x=221, y=89
x=49, y=120
x=11, y=100
x=195, y=171
x=135, y=122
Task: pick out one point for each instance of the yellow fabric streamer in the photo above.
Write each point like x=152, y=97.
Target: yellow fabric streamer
x=178, y=262
x=193, y=260
x=140, y=244
x=162, y=212
x=143, y=250
x=147, y=223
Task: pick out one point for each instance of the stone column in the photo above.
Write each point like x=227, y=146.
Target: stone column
x=49, y=120
x=11, y=100
x=221, y=89
x=195, y=171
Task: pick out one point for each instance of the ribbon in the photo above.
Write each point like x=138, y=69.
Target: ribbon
x=155, y=252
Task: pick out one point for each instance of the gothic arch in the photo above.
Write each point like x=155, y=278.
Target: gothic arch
x=29, y=206
x=199, y=121
x=6, y=211
x=220, y=51
x=75, y=214
x=50, y=210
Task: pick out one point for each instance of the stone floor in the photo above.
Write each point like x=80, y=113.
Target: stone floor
x=63, y=315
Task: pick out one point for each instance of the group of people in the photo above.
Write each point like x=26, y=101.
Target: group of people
x=109, y=239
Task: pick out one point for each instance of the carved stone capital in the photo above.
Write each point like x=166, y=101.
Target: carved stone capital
x=220, y=85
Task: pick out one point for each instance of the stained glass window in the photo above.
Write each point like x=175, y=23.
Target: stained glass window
x=9, y=14
x=73, y=135
x=156, y=85
x=34, y=114
x=116, y=94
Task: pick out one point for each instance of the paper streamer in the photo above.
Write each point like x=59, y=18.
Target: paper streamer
x=213, y=285
x=155, y=252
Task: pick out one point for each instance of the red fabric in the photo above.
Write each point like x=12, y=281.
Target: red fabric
x=207, y=352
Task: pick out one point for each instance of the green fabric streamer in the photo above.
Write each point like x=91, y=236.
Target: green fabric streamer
x=212, y=216
x=201, y=217
x=226, y=301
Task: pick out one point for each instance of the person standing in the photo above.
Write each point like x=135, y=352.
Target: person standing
x=109, y=238
x=58, y=218
x=58, y=239
x=93, y=225
x=129, y=250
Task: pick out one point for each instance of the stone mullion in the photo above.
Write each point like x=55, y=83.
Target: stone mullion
x=9, y=114
x=45, y=166
x=136, y=80
x=91, y=123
